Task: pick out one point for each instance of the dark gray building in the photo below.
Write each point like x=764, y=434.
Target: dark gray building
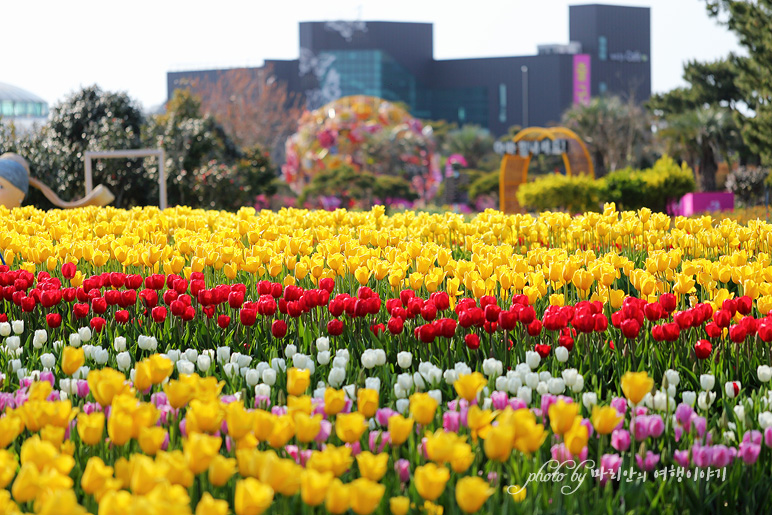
x=609, y=52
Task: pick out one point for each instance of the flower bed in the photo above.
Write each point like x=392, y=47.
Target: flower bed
x=210, y=362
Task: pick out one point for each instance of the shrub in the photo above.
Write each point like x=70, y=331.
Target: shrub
x=624, y=187
x=485, y=184
x=666, y=181
x=747, y=183
x=575, y=194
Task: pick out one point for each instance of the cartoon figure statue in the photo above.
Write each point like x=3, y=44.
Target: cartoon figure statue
x=15, y=181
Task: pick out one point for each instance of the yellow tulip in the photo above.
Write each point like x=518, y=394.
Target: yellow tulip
x=314, y=486
x=399, y=505
x=298, y=381
x=199, y=450
x=208, y=505
x=338, y=497
x=306, y=428
x=430, y=481
x=72, y=359
x=576, y=438
x=399, y=429
x=372, y=466
x=605, y=419
x=221, y=469
x=472, y=492
x=8, y=465
x=365, y=495
x=350, y=426
x=151, y=439
x=635, y=385
x=562, y=415
x=105, y=384
x=422, y=408
x=469, y=385
x=334, y=401
x=252, y=497
x=367, y=402
x=498, y=443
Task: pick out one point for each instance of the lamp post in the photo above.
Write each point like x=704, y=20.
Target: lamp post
x=524, y=69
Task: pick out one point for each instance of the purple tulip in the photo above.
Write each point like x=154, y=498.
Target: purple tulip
x=451, y=421
x=347, y=406
x=641, y=411
x=355, y=447
x=619, y=404
x=463, y=414
x=325, y=429
x=90, y=407
x=586, y=422
x=402, y=468
x=159, y=399
x=493, y=478
x=768, y=436
x=379, y=439
x=499, y=400
x=279, y=410
x=183, y=426
x=293, y=452
x=641, y=427
x=6, y=401
x=682, y=458
x=47, y=375
x=561, y=454
x=749, y=452
x=227, y=399
x=648, y=463
x=262, y=402
x=609, y=464
x=547, y=400
x=82, y=388
x=620, y=439
x=453, y=405
x=679, y=432
x=305, y=455
x=702, y=455
x=683, y=415
x=165, y=444
x=700, y=425
x=753, y=437
x=721, y=456
x=516, y=403
x=656, y=426
x=383, y=415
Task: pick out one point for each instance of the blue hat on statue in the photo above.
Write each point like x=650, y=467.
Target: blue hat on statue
x=14, y=172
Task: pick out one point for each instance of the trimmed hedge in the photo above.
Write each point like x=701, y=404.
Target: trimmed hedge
x=629, y=189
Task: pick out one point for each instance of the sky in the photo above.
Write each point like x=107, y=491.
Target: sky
x=53, y=47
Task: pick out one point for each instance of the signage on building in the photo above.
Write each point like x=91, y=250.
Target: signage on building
x=630, y=56
x=582, y=79
x=525, y=148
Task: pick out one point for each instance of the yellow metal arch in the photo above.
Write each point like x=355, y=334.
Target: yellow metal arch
x=514, y=168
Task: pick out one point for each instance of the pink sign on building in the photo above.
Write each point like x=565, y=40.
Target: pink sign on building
x=582, y=79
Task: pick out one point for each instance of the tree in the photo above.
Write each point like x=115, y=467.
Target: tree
x=253, y=107
x=701, y=136
x=474, y=143
x=615, y=132
x=92, y=119
x=751, y=22
x=344, y=182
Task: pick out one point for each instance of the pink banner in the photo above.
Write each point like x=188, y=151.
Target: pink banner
x=582, y=79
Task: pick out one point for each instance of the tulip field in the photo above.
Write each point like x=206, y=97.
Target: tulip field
x=309, y=362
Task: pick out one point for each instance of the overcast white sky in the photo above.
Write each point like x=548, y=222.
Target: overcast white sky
x=52, y=47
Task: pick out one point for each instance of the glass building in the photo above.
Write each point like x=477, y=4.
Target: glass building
x=18, y=103
x=608, y=53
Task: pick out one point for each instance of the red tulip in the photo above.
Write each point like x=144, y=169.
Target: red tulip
x=702, y=349
x=429, y=311
x=472, y=341
x=335, y=327
x=668, y=301
x=98, y=323
x=713, y=330
x=507, y=320
x=327, y=284
x=122, y=316
x=159, y=314
x=426, y=333
x=601, y=322
x=737, y=333
x=722, y=317
x=223, y=321
x=630, y=328
x=80, y=310
x=279, y=328
x=99, y=305
x=534, y=328
x=543, y=350
x=69, y=270
x=53, y=320
x=765, y=330
x=247, y=317
x=396, y=325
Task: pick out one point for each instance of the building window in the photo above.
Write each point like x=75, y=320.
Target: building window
x=602, y=48
x=461, y=114
x=502, y=103
x=602, y=87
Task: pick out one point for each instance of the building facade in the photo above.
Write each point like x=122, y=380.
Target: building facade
x=22, y=108
x=609, y=53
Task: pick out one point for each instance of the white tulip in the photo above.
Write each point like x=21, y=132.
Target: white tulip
x=323, y=357
x=299, y=360
x=203, y=363
x=578, y=385
x=542, y=388
x=764, y=372
x=739, y=412
x=501, y=384
x=569, y=376
x=5, y=329
x=729, y=436
x=269, y=376
x=462, y=369
x=223, y=354
x=13, y=343
x=319, y=392
x=531, y=380
x=437, y=396
x=545, y=376
x=404, y=359
x=402, y=405
x=173, y=355
x=672, y=377
x=487, y=402
x=532, y=359
x=75, y=340
x=261, y=367
x=707, y=381
x=434, y=376
x=450, y=376
x=373, y=383
x=88, y=351
x=765, y=419
x=492, y=367
x=705, y=399
x=252, y=377
x=343, y=353
x=41, y=337
x=368, y=359
x=231, y=370
x=119, y=344
x=561, y=353
x=729, y=388
x=262, y=390
x=399, y=392
x=191, y=355
x=514, y=384
x=336, y=377
x=418, y=382
x=58, y=344
x=689, y=397
x=350, y=390
x=64, y=384
x=124, y=363
x=85, y=334
x=322, y=344
x=556, y=386
x=48, y=360
x=660, y=401
x=290, y=351
x=185, y=367
x=380, y=357
x=101, y=355
x=244, y=360
x=589, y=400
x=405, y=381
x=339, y=362
x=671, y=390
x=278, y=364
x=17, y=326
x=81, y=373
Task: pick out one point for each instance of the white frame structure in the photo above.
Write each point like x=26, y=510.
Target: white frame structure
x=144, y=152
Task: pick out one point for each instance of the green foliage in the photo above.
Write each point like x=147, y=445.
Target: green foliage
x=485, y=185
x=750, y=21
x=575, y=194
x=747, y=183
x=256, y=173
x=475, y=144
x=344, y=183
x=388, y=188
x=628, y=188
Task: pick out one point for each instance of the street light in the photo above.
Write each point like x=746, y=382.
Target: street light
x=524, y=69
